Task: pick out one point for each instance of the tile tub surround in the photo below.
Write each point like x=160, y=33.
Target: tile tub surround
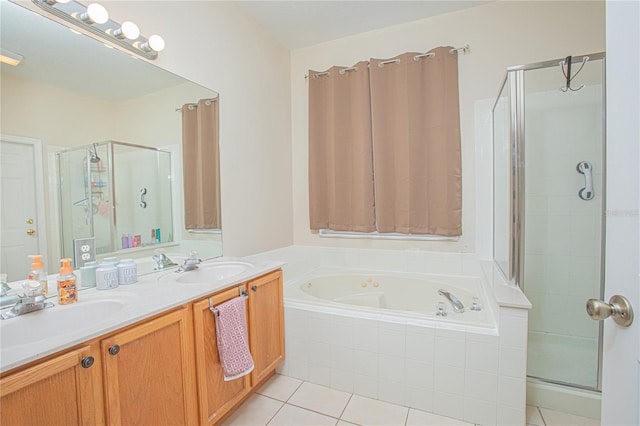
x=458, y=372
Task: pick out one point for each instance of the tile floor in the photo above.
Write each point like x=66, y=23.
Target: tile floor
x=285, y=401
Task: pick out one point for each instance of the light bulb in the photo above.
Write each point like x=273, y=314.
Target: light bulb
x=156, y=43
x=95, y=14
x=128, y=30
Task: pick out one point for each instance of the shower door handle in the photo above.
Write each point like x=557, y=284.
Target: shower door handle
x=619, y=308
x=584, y=168
x=141, y=202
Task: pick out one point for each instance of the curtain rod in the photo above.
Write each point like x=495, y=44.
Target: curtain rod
x=464, y=50
x=207, y=102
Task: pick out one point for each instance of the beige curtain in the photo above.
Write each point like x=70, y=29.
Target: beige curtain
x=200, y=161
x=416, y=143
x=340, y=152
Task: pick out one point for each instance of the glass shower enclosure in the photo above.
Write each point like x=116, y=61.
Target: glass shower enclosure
x=116, y=192
x=548, y=128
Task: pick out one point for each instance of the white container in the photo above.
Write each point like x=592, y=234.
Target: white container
x=127, y=272
x=106, y=277
x=111, y=260
x=88, y=274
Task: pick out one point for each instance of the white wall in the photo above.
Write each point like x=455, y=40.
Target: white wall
x=500, y=34
x=216, y=45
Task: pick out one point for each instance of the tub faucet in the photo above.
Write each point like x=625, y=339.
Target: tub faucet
x=26, y=304
x=162, y=261
x=455, y=302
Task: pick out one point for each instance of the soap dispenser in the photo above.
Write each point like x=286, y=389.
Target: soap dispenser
x=67, y=287
x=37, y=272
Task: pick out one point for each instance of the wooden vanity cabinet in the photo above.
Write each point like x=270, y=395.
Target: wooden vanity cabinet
x=63, y=390
x=266, y=324
x=149, y=372
x=265, y=320
x=216, y=397
x=153, y=372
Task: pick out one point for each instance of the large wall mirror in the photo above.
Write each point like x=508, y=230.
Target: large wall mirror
x=71, y=91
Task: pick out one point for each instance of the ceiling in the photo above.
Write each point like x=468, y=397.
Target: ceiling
x=302, y=23
x=56, y=56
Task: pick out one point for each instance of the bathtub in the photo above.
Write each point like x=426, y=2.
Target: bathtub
x=399, y=297
x=376, y=334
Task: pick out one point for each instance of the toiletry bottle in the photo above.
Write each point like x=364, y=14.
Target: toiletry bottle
x=67, y=288
x=37, y=272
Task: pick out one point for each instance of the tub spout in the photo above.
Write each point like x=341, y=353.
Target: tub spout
x=455, y=302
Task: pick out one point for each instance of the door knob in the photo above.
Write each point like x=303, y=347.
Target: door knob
x=31, y=231
x=619, y=308
x=29, y=221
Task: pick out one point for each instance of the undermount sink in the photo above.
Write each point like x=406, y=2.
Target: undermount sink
x=217, y=271
x=56, y=321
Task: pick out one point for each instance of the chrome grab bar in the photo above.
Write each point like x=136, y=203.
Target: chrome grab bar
x=585, y=168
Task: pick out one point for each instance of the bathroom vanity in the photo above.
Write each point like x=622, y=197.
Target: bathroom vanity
x=160, y=369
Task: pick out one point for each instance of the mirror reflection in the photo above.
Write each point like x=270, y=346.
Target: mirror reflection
x=117, y=193
x=70, y=93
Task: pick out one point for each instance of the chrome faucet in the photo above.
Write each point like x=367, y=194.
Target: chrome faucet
x=26, y=304
x=190, y=263
x=162, y=261
x=455, y=302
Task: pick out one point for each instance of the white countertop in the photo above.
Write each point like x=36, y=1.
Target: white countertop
x=151, y=295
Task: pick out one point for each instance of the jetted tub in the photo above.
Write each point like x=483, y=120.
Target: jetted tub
x=400, y=295
x=376, y=334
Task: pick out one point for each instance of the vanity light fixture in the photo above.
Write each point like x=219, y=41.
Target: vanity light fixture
x=95, y=14
x=94, y=21
x=128, y=30
x=10, y=58
x=155, y=43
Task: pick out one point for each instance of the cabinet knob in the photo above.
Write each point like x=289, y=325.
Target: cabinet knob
x=254, y=288
x=87, y=362
x=113, y=350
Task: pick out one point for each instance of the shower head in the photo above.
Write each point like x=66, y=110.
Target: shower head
x=94, y=155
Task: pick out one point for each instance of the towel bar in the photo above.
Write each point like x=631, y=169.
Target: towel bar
x=242, y=293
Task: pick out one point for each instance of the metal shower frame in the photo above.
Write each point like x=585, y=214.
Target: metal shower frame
x=514, y=82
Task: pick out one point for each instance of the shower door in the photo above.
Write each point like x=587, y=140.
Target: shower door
x=557, y=203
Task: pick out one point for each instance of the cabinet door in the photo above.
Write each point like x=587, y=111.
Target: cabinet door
x=149, y=373
x=266, y=324
x=64, y=390
x=216, y=396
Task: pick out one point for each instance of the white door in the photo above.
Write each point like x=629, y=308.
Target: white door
x=22, y=220
x=621, y=349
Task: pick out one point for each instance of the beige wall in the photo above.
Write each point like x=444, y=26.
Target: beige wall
x=56, y=116
x=500, y=34
x=216, y=45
